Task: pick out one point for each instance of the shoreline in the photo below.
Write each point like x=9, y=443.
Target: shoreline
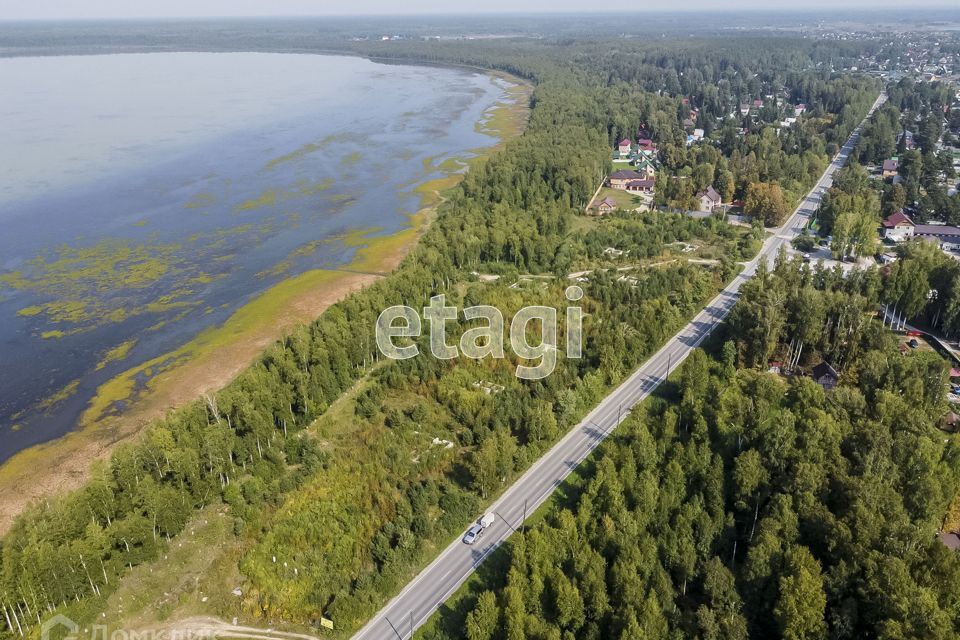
x=210, y=360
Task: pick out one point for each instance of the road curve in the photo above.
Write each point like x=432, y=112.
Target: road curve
x=421, y=597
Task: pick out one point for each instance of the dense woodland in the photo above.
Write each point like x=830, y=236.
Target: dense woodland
x=742, y=504
x=326, y=456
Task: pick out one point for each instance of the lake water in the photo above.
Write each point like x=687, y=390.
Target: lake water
x=145, y=197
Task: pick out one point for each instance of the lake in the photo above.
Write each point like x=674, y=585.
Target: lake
x=147, y=197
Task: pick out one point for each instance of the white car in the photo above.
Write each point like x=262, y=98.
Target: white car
x=473, y=534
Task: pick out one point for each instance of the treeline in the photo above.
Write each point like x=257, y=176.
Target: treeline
x=739, y=504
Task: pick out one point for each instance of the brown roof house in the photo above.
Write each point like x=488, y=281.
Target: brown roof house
x=890, y=168
x=825, y=375
x=619, y=179
x=898, y=227
x=606, y=205
x=709, y=199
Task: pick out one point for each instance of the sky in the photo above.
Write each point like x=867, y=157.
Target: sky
x=99, y=9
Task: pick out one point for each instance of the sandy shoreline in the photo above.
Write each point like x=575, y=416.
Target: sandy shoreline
x=217, y=356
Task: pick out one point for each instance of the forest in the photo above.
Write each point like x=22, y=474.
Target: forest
x=739, y=503
x=327, y=456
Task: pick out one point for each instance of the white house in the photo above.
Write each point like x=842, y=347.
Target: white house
x=898, y=227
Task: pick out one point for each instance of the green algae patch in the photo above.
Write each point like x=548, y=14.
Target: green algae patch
x=116, y=354
x=53, y=400
x=305, y=150
x=266, y=199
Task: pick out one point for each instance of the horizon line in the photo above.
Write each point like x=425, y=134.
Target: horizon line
x=519, y=13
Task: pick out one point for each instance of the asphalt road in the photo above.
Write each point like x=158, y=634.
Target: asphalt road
x=432, y=586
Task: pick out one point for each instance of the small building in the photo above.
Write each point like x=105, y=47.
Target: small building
x=606, y=205
x=825, y=376
x=799, y=109
x=709, y=199
x=625, y=147
x=641, y=186
x=898, y=227
x=890, y=168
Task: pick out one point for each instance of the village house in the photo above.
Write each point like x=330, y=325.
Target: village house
x=898, y=227
x=825, y=376
x=799, y=110
x=709, y=199
x=606, y=205
x=643, y=164
x=625, y=147
x=890, y=168
x=644, y=186
x=619, y=179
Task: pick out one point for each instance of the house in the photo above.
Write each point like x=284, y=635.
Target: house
x=757, y=104
x=709, y=199
x=606, y=205
x=647, y=145
x=619, y=179
x=825, y=376
x=744, y=109
x=799, y=109
x=625, y=147
x=643, y=164
x=898, y=227
x=890, y=168
x=641, y=186
x=942, y=234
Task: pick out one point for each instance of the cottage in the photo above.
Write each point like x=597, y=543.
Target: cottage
x=709, y=199
x=606, y=205
x=641, y=186
x=898, y=227
x=890, y=168
x=625, y=147
x=642, y=164
x=825, y=376
x=619, y=179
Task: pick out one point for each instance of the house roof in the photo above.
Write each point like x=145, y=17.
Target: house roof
x=627, y=174
x=936, y=230
x=607, y=202
x=897, y=218
x=890, y=165
x=626, y=143
x=711, y=194
x=823, y=369
x=646, y=183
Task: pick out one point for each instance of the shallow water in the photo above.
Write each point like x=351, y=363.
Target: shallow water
x=145, y=197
